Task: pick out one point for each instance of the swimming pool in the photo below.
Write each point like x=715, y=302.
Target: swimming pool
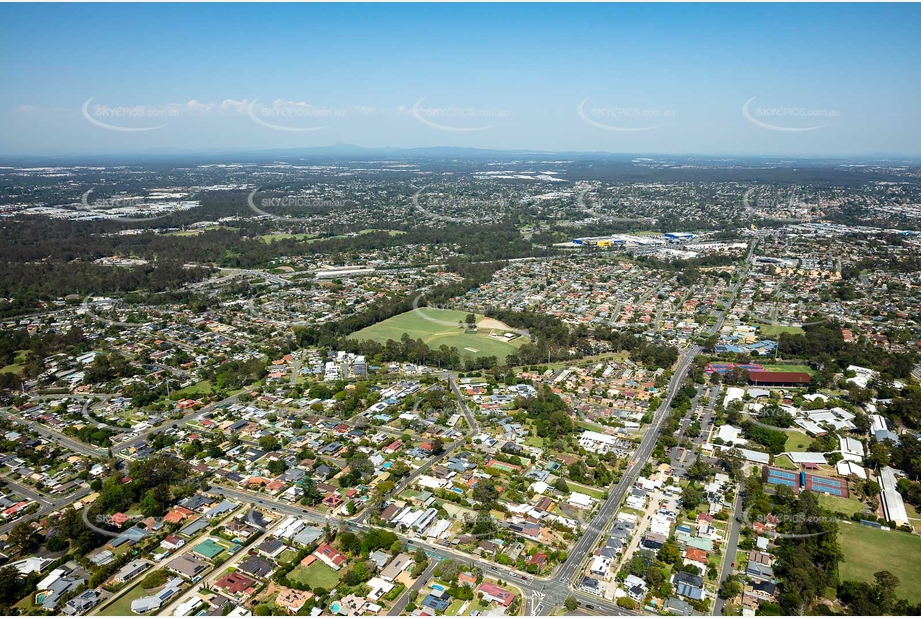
x=438, y=587
x=334, y=607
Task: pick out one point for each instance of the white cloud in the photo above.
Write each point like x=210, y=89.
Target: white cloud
x=236, y=107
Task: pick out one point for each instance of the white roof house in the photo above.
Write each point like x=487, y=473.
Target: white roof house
x=806, y=458
x=733, y=393
x=877, y=423
x=728, y=433
x=580, y=500
x=848, y=468
x=539, y=487
x=596, y=442
x=851, y=449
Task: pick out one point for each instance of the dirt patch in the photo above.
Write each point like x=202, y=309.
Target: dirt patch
x=493, y=324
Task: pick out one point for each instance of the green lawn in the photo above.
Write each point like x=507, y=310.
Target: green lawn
x=194, y=390
x=122, y=605
x=16, y=365
x=868, y=550
x=598, y=494
x=535, y=441
x=454, y=608
x=269, y=238
x=785, y=463
x=442, y=332
x=287, y=556
x=797, y=442
x=837, y=504
x=316, y=575
x=775, y=330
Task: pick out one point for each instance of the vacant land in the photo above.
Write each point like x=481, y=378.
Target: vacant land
x=199, y=388
x=122, y=605
x=776, y=330
x=317, y=575
x=868, y=550
x=437, y=327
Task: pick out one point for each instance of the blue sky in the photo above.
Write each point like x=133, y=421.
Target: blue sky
x=826, y=79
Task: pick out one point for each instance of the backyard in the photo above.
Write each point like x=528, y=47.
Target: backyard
x=317, y=575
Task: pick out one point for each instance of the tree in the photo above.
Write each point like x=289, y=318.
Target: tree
x=349, y=543
x=470, y=320
x=691, y=496
x=23, y=537
x=669, y=553
x=268, y=443
x=485, y=492
x=11, y=586
x=277, y=466
x=884, y=589
x=449, y=570
x=399, y=469
x=438, y=446
x=731, y=588
x=571, y=603
x=698, y=471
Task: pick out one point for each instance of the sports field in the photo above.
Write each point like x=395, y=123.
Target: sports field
x=788, y=367
x=868, y=550
x=437, y=327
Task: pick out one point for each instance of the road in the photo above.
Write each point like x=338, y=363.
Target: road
x=472, y=429
x=74, y=445
x=185, y=419
x=403, y=600
x=731, y=548
x=551, y=591
x=559, y=588
x=47, y=505
x=542, y=595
